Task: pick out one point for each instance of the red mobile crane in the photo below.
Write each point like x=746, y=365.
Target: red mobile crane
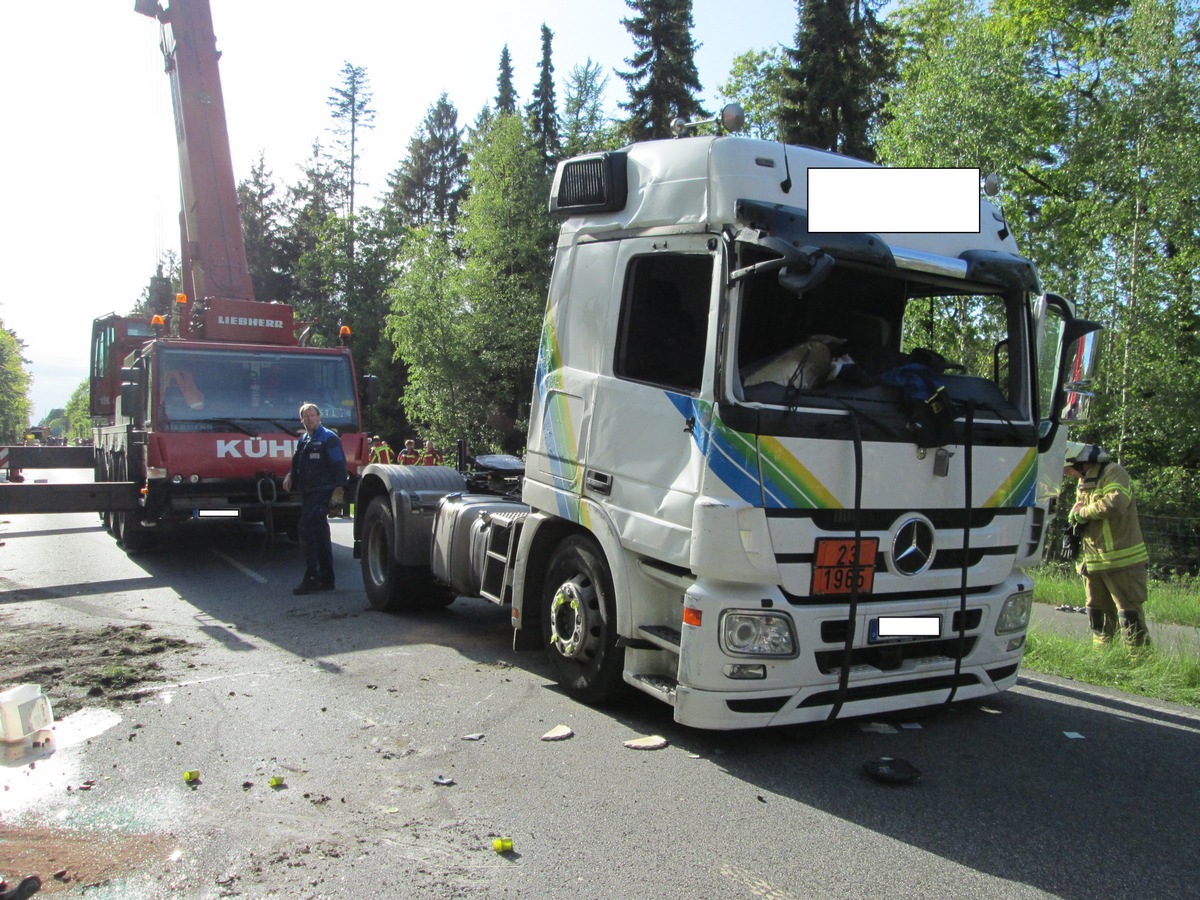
x=195, y=406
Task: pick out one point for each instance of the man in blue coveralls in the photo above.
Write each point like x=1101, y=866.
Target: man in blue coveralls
x=319, y=473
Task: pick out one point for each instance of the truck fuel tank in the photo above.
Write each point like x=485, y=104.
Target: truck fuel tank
x=460, y=535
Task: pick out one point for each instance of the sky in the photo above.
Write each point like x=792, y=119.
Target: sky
x=91, y=184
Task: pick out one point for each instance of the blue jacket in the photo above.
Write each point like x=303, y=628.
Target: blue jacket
x=319, y=463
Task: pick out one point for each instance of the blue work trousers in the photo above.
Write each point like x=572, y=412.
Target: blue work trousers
x=314, y=536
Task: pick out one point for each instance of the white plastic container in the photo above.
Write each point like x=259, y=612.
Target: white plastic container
x=24, y=710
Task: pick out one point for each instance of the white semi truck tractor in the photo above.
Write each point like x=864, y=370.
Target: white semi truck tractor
x=753, y=487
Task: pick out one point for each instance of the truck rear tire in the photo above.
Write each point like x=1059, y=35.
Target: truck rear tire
x=380, y=574
x=579, y=621
x=133, y=535
x=128, y=527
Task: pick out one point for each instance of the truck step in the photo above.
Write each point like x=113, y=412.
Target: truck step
x=660, y=686
x=662, y=636
x=503, y=534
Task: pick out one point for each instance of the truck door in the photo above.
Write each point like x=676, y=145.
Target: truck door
x=642, y=462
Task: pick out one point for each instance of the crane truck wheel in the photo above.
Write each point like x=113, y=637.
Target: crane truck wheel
x=132, y=534
x=579, y=621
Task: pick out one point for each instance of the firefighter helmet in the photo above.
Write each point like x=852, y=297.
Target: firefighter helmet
x=1085, y=454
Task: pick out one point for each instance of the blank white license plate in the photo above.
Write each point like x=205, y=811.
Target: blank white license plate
x=899, y=628
x=218, y=513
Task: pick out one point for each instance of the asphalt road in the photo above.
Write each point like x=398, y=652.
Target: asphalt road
x=1050, y=790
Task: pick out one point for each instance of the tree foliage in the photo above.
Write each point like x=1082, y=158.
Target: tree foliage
x=1089, y=110
x=78, y=413
x=15, y=407
x=756, y=84
x=350, y=107
x=507, y=236
x=663, y=81
x=833, y=77
x=430, y=184
x=506, y=92
x=585, y=126
x=543, y=110
x=430, y=324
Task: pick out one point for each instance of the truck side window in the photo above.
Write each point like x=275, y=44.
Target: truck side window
x=664, y=321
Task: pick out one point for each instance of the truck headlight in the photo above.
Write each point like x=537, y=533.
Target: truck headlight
x=1014, y=616
x=757, y=634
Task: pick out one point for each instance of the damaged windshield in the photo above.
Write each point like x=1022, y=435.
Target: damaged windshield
x=857, y=337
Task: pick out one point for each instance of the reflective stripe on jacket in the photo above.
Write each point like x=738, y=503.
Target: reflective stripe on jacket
x=1112, y=537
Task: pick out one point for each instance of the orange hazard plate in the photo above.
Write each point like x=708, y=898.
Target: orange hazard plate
x=834, y=570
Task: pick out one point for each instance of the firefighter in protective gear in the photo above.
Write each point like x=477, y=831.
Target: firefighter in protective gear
x=430, y=456
x=1114, y=557
x=380, y=451
x=409, y=455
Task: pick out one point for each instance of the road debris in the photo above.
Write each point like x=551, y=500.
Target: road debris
x=892, y=771
x=558, y=733
x=444, y=780
x=650, y=742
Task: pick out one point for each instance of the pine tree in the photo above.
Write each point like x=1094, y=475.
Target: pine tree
x=311, y=211
x=506, y=94
x=262, y=226
x=663, y=81
x=543, y=109
x=349, y=105
x=832, y=78
x=430, y=184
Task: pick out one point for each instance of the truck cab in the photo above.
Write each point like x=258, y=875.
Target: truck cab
x=776, y=475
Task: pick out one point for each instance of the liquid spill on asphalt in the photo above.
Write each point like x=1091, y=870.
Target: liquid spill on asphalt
x=30, y=775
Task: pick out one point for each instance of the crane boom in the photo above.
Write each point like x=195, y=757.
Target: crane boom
x=213, y=248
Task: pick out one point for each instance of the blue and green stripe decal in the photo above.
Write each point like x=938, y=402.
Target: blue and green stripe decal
x=1020, y=487
x=786, y=483
x=783, y=482
x=557, y=431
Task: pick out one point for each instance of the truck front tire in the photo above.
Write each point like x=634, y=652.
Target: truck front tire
x=579, y=621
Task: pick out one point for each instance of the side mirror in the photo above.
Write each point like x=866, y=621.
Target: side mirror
x=1074, y=366
x=368, y=389
x=133, y=397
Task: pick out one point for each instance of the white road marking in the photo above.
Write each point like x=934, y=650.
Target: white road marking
x=241, y=568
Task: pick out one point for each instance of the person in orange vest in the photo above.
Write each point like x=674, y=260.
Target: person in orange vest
x=430, y=456
x=380, y=451
x=409, y=455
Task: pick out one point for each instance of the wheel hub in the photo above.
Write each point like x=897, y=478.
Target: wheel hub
x=568, y=617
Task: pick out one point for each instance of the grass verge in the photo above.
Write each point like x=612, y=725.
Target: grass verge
x=1164, y=671
x=1176, y=602
x=1159, y=672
